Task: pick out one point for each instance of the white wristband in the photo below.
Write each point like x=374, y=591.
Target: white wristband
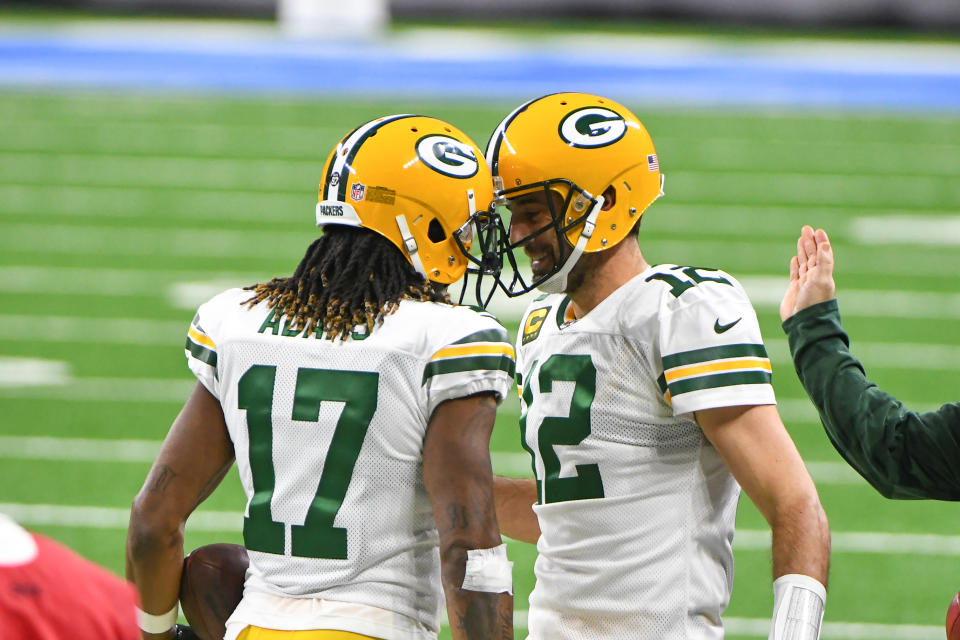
x=157, y=624
x=488, y=570
x=798, y=602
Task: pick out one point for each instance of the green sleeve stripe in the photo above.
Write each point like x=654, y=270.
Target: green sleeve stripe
x=719, y=380
x=472, y=363
x=662, y=383
x=201, y=353
x=196, y=324
x=709, y=354
x=487, y=335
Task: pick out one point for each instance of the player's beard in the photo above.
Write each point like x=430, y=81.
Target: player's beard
x=580, y=275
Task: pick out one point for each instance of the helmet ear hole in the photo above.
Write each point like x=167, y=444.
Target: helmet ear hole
x=435, y=231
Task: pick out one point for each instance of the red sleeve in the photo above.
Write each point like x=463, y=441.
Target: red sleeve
x=60, y=595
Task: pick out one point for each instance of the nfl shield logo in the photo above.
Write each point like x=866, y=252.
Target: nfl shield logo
x=356, y=191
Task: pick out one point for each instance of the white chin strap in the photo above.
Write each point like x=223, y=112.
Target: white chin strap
x=410, y=244
x=557, y=283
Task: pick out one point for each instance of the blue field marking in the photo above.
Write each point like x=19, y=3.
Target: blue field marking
x=694, y=76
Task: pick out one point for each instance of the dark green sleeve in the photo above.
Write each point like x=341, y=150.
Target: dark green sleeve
x=903, y=454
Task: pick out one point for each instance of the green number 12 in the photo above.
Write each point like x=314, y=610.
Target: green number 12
x=316, y=537
x=570, y=430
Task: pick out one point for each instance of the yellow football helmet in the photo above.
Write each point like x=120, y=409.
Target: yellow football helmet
x=415, y=180
x=575, y=145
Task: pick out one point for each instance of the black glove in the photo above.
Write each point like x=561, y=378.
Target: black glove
x=183, y=632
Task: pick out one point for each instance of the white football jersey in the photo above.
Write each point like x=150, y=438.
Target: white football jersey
x=636, y=507
x=328, y=438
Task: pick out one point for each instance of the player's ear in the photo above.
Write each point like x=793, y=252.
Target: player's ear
x=609, y=198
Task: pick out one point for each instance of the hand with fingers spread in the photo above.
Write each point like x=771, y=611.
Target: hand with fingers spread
x=811, y=273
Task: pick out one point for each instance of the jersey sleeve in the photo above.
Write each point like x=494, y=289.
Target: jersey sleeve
x=475, y=357
x=201, y=350
x=712, y=353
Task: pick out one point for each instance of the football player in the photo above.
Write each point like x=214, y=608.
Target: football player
x=646, y=400
x=358, y=405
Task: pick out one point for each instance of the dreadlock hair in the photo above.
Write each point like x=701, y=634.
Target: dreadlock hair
x=348, y=277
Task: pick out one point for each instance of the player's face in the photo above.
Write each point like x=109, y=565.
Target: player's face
x=530, y=214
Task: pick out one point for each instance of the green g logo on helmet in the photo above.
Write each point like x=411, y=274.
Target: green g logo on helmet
x=448, y=156
x=592, y=127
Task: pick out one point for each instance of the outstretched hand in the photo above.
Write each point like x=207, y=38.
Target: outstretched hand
x=811, y=273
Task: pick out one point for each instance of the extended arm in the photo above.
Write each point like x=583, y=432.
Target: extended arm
x=195, y=456
x=459, y=479
x=514, y=499
x=903, y=454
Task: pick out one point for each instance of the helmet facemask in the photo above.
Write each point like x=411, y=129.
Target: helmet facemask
x=573, y=212
x=481, y=240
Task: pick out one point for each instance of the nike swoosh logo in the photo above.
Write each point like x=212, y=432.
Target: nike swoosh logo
x=720, y=328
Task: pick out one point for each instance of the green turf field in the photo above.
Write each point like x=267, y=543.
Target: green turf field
x=119, y=213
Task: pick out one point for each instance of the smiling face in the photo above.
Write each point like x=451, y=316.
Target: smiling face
x=532, y=227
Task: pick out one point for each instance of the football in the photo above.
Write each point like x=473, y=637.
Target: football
x=953, y=619
x=211, y=587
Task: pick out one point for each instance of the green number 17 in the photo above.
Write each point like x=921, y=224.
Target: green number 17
x=316, y=537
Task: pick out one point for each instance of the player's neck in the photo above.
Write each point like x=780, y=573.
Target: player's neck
x=597, y=275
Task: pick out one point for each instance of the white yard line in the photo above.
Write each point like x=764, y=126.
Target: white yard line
x=912, y=229
x=93, y=330
x=769, y=223
x=796, y=187
x=103, y=450
x=115, y=282
x=78, y=449
x=152, y=140
x=792, y=410
x=864, y=542
x=86, y=517
x=188, y=290
x=747, y=255
x=108, y=390
x=125, y=241
x=25, y=372
x=105, y=389
x=188, y=295
x=90, y=517
x=886, y=355
x=20, y=201
x=113, y=170
x=766, y=292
